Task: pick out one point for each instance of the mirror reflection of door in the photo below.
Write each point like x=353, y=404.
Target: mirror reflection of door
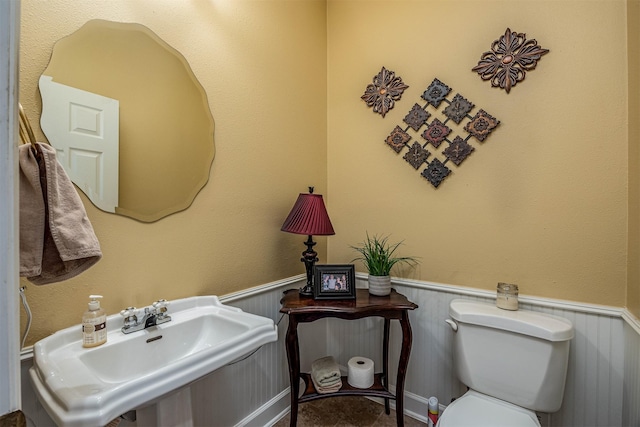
x=166, y=145
x=85, y=128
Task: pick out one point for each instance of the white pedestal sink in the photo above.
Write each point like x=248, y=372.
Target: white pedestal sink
x=171, y=411
x=92, y=386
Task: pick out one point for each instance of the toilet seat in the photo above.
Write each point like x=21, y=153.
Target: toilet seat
x=478, y=410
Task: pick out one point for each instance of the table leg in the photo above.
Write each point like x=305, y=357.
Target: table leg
x=385, y=363
x=402, y=367
x=293, y=356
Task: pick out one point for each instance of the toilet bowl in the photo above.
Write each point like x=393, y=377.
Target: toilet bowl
x=513, y=362
x=475, y=409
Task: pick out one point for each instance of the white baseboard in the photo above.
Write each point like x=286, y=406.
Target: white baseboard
x=269, y=413
x=415, y=406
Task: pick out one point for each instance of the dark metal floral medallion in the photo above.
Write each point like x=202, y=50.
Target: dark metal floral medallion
x=457, y=149
x=458, y=108
x=481, y=125
x=511, y=56
x=436, y=93
x=385, y=90
x=416, y=117
x=436, y=172
x=416, y=155
x=436, y=133
x=398, y=139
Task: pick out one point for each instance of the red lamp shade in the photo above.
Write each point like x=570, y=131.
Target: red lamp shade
x=309, y=216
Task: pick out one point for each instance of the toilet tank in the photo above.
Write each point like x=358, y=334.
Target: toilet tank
x=518, y=356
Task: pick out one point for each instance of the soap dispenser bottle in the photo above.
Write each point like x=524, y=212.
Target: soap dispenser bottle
x=94, y=324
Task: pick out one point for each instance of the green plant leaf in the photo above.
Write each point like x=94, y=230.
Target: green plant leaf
x=377, y=255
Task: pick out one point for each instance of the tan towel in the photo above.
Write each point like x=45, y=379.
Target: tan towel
x=329, y=388
x=325, y=375
x=54, y=227
x=32, y=214
x=325, y=371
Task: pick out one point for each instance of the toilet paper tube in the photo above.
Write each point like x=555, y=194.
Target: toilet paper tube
x=360, y=372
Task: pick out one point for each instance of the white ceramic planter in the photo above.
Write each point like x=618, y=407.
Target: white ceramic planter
x=379, y=285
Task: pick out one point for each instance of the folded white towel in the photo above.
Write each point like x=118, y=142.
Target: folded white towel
x=328, y=388
x=325, y=375
x=57, y=241
x=325, y=370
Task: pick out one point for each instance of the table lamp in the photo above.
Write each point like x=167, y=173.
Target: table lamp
x=309, y=216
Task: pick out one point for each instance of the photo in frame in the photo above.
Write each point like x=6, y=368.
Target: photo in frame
x=334, y=281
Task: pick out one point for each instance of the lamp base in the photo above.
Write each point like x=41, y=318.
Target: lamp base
x=309, y=257
x=307, y=291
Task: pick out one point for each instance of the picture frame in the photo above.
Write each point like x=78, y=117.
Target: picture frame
x=334, y=281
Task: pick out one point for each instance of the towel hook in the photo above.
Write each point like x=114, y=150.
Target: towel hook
x=26, y=132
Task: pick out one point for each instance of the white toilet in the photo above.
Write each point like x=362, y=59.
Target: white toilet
x=514, y=363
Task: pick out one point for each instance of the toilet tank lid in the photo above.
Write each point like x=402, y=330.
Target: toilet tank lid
x=531, y=323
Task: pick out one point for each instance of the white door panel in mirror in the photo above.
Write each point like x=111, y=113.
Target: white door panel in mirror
x=84, y=126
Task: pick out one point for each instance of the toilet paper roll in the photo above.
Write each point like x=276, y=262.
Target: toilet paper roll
x=360, y=372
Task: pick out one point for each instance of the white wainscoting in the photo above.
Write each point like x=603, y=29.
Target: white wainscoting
x=631, y=389
x=603, y=382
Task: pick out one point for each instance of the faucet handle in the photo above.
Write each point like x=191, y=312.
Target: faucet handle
x=160, y=305
x=128, y=312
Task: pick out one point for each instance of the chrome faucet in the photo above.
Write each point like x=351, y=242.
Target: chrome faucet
x=152, y=316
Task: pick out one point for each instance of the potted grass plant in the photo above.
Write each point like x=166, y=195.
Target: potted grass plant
x=379, y=256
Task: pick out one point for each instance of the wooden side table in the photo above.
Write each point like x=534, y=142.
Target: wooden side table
x=302, y=309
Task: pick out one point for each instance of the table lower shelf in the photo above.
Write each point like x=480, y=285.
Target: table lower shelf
x=376, y=390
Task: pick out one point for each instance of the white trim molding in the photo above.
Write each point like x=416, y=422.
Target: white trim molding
x=538, y=301
x=631, y=320
x=257, y=290
x=9, y=276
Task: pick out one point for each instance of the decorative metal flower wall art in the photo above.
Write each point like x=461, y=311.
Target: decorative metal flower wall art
x=437, y=133
x=398, y=139
x=436, y=93
x=436, y=172
x=416, y=117
x=458, y=108
x=416, y=155
x=511, y=56
x=384, y=92
x=458, y=150
x=481, y=125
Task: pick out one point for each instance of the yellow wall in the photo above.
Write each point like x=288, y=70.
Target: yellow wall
x=543, y=202
x=263, y=66
x=633, y=49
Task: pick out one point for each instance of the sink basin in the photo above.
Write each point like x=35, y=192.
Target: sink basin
x=91, y=386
